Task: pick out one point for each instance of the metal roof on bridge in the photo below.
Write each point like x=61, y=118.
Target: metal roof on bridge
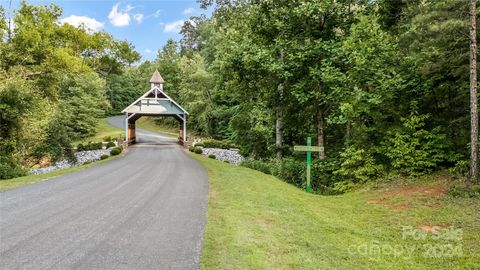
x=155, y=102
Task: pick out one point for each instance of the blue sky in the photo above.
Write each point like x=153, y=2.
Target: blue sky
x=147, y=24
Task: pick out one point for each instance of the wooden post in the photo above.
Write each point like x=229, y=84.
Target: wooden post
x=126, y=127
x=184, y=130
x=180, y=132
x=309, y=162
x=309, y=149
x=131, y=132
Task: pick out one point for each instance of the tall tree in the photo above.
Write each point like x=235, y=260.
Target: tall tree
x=168, y=61
x=435, y=41
x=195, y=92
x=473, y=93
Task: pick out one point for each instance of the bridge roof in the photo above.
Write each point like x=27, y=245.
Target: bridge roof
x=155, y=102
x=156, y=77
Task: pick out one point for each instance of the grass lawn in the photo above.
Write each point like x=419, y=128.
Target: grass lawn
x=255, y=221
x=149, y=124
x=104, y=130
x=30, y=179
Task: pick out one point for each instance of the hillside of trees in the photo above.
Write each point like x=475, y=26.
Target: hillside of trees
x=53, y=84
x=383, y=85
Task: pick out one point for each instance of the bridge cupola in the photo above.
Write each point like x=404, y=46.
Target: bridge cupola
x=157, y=80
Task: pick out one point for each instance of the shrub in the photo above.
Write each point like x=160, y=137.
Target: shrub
x=326, y=190
x=289, y=170
x=10, y=168
x=461, y=168
x=89, y=146
x=212, y=156
x=108, y=139
x=357, y=166
x=226, y=161
x=258, y=165
x=344, y=186
x=115, y=151
x=323, y=176
x=58, y=142
x=80, y=147
x=413, y=150
x=110, y=144
x=102, y=157
x=69, y=154
x=197, y=150
x=199, y=145
x=97, y=146
x=191, y=149
x=217, y=144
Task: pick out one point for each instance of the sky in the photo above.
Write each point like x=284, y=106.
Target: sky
x=146, y=24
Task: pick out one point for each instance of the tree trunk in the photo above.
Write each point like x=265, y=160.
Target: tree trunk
x=279, y=124
x=320, y=127
x=279, y=131
x=279, y=116
x=348, y=133
x=9, y=21
x=473, y=93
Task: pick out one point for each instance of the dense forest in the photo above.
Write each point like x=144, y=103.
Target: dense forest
x=382, y=85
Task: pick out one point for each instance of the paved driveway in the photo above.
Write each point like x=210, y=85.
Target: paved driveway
x=143, y=211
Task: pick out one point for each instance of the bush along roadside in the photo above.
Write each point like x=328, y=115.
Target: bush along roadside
x=90, y=146
x=116, y=151
x=293, y=171
x=216, y=144
x=220, y=150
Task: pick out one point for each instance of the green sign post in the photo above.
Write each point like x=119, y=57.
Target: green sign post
x=309, y=149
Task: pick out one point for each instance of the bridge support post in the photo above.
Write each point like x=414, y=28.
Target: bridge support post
x=184, y=130
x=126, y=127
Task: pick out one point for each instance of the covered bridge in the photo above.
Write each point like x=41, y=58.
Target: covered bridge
x=155, y=102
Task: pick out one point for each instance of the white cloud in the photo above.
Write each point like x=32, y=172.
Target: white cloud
x=138, y=17
x=157, y=13
x=188, y=11
x=148, y=51
x=90, y=24
x=128, y=8
x=173, y=26
x=119, y=18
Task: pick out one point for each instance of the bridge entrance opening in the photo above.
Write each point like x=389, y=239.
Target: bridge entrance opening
x=155, y=102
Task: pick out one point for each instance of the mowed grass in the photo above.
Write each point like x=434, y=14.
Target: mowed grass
x=103, y=130
x=30, y=179
x=149, y=124
x=255, y=221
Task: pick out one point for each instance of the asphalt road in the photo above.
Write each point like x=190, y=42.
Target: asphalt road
x=143, y=211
